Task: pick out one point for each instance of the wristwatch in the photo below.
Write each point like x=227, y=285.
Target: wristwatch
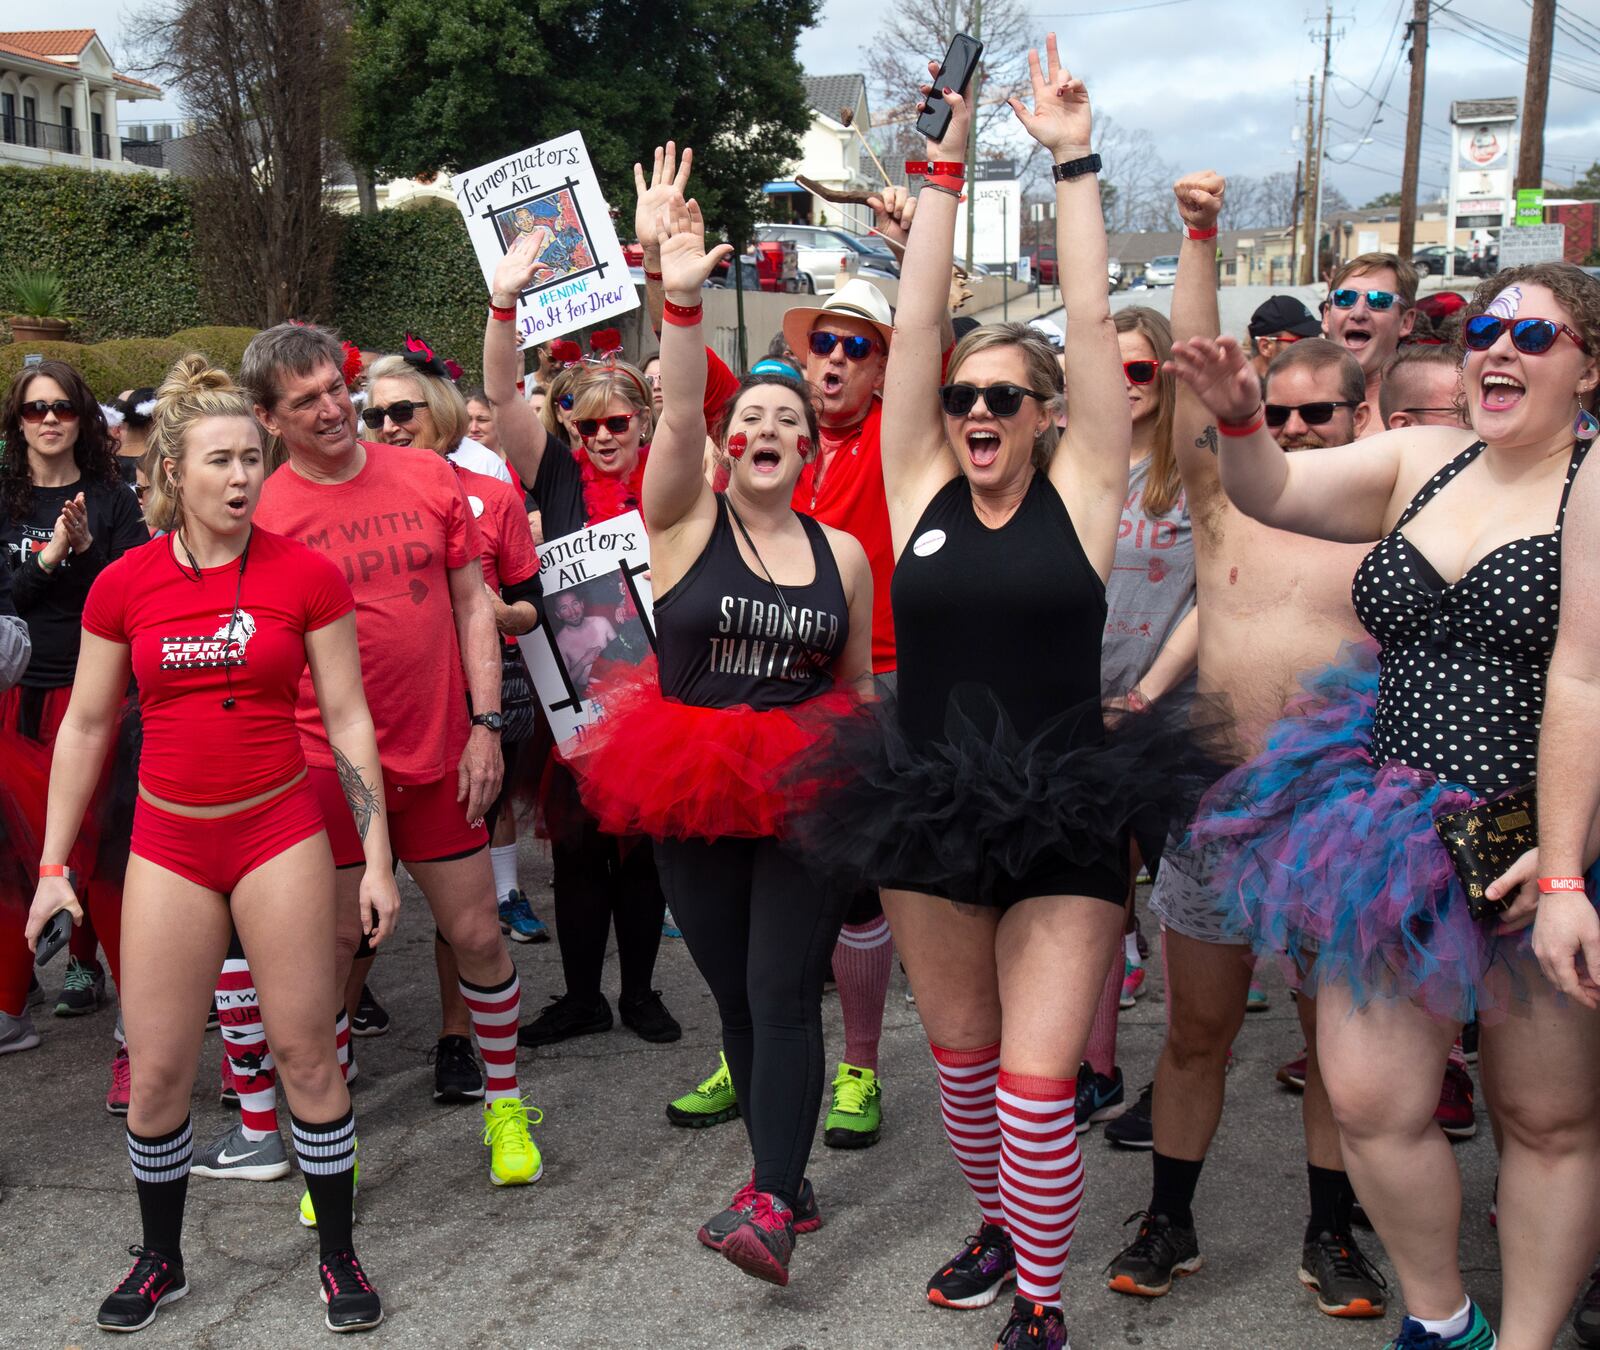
x=1076, y=168
x=491, y=720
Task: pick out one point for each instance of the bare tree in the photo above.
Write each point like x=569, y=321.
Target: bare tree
x=1140, y=181
x=262, y=80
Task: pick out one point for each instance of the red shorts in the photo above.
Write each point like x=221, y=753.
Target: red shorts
x=217, y=853
x=426, y=823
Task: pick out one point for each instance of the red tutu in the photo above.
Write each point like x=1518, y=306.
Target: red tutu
x=674, y=770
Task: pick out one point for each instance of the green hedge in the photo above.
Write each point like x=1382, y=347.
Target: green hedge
x=223, y=345
x=139, y=362
x=104, y=377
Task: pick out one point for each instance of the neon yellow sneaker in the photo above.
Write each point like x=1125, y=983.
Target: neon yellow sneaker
x=857, y=1112
x=710, y=1102
x=308, y=1214
x=513, y=1156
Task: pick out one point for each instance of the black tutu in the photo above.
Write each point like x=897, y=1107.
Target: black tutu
x=984, y=806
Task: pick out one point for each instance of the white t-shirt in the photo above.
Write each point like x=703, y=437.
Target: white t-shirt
x=476, y=457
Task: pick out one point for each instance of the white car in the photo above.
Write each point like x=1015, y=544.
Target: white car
x=1161, y=271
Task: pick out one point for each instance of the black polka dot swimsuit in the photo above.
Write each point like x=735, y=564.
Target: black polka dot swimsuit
x=1462, y=665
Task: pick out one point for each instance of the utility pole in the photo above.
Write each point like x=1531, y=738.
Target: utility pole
x=1417, y=31
x=972, y=136
x=1536, y=94
x=1302, y=220
x=1294, y=227
x=1322, y=132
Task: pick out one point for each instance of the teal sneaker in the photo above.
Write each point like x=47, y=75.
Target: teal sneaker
x=711, y=1102
x=1479, y=1335
x=519, y=922
x=1256, y=1000
x=857, y=1113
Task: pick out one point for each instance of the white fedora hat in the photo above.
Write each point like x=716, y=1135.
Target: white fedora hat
x=856, y=299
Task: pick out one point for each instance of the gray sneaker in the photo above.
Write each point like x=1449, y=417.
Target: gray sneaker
x=235, y=1157
x=17, y=1033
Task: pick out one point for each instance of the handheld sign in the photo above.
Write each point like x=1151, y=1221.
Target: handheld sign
x=598, y=609
x=550, y=192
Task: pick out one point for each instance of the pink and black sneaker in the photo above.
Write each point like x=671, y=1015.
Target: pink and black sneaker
x=714, y=1231
x=353, y=1304
x=1033, y=1327
x=763, y=1241
x=133, y=1304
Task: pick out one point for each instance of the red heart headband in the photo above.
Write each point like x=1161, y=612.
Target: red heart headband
x=565, y=352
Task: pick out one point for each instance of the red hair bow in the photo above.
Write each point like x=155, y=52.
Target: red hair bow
x=419, y=355
x=565, y=352
x=351, y=370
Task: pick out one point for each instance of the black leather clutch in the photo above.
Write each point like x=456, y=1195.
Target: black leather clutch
x=1484, y=840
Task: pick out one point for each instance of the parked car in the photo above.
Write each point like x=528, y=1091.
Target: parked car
x=1161, y=271
x=1043, y=261
x=1430, y=262
x=773, y=265
x=824, y=252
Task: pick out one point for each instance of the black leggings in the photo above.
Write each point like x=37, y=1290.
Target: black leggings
x=762, y=930
x=599, y=881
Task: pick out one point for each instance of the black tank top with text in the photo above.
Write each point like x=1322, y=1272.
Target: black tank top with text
x=725, y=636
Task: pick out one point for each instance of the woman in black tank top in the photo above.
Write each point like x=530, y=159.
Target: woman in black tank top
x=1327, y=841
x=764, y=628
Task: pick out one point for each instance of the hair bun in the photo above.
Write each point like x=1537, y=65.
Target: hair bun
x=193, y=374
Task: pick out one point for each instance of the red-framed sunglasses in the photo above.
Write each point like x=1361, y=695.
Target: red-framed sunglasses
x=1141, y=372
x=616, y=424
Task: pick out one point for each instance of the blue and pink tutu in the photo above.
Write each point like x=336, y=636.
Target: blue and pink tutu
x=1330, y=861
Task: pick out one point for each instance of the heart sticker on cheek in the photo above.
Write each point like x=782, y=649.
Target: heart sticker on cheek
x=736, y=445
x=803, y=445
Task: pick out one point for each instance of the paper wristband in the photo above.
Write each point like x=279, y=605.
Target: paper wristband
x=1189, y=232
x=505, y=314
x=681, y=316
x=55, y=870
x=945, y=167
x=1555, y=885
x=649, y=275
x=1239, y=430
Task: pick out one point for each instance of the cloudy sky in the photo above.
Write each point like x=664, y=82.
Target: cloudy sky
x=1221, y=83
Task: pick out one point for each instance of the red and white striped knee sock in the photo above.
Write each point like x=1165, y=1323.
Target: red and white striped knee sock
x=494, y=1026
x=1101, y=1051
x=341, y=1042
x=967, y=1103
x=1041, y=1178
x=244, y=1040
x=862, y=961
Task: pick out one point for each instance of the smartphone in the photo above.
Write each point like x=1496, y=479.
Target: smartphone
x=54, y=937
x=955, y=72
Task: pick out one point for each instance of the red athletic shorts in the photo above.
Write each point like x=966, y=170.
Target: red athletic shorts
x=426, y=823
x=217, y=853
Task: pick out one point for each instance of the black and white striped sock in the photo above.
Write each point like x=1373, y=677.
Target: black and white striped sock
x=327, y=1156
x=161, y=1173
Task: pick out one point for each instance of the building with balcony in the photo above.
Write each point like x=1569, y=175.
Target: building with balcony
x=59, y=91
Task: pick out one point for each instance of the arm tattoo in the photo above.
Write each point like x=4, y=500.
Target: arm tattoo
x=1207, y=440
x=363, y=801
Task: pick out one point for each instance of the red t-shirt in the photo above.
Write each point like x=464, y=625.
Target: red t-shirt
x=187, y=661
x=721, y=385
x=395, y=531
x=509, y=556
x=851, y=498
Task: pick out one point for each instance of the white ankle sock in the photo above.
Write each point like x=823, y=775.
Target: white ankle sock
x=1447, y=1327
x=1130, y=948
x=504, y=862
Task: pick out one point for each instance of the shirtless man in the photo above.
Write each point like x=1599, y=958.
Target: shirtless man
x=1371, y=306
x=581, y=637
x=1272, y=606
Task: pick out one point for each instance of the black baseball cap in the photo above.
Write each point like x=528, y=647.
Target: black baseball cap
x=1284, y=314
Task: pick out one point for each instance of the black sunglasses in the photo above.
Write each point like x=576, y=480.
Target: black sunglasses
x=857, y=348
x=38, y=409
x=1312, y=414
x=399, y=412
x=1003, y=400
x=1531, y=337
x=1140, y=372
x=616, y=425
x=1345, y=298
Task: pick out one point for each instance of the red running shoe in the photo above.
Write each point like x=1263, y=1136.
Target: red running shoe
x=1293, y=1075
x=1454, y=1113
x=121, y=1083
x=714, y=1231
x=764, y=1240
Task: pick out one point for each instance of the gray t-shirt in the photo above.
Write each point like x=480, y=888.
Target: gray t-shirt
x=1150, y=589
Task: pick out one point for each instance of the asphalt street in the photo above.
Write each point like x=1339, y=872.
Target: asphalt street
x=601, y=1252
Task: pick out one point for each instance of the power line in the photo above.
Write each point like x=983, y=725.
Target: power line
x=1120, y=9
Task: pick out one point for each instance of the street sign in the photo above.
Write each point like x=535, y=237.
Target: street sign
x=1530, y=206
x=1523, y=244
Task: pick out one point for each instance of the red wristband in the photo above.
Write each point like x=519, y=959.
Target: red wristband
x=1555, y=885
x=947, y=167
x=504, y=313
x=649, y=275
x=1238, y=430
x=946, y=183
x=680, y=316
x=54, y=870
x=1189, y=232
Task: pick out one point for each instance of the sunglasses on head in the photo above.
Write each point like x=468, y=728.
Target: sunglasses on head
x=38, y=409
x=1003, y=400
x=1345, y=298
x=565, y=403
x=857, y=348
x=1140, y=372
x=1531, y=337
x=1312, y=414
x=616, y=425
x=399, y=412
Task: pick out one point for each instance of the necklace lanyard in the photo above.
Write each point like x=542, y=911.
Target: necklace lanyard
x=197, y=579
x=788, y=609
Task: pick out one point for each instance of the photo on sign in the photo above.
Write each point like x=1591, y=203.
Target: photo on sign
x=556, y=224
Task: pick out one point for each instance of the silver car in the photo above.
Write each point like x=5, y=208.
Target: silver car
x=1161, y=271
x=824, y=252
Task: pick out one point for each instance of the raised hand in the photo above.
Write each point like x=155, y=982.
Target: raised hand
x=1060, y=120
x=1216, y=369
x=1200, y=198
x=513, y=272
x=892, y=211
x=954, y=144
x=685, y=263
x=668, y=179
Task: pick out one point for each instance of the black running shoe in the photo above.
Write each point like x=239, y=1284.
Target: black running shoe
x=566, y=1017
x=1345, y=1282
x=133, y=1304
x=647, y=1017
x=1033, y=1326
x=974, y=1276
x=1586, y=1321
x=353, y=1304
x=1148, y=1264
x=763, y=1241
x=1134, y=1127
x=456, y=1076
x=371, y=1017
x=714, y=1231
